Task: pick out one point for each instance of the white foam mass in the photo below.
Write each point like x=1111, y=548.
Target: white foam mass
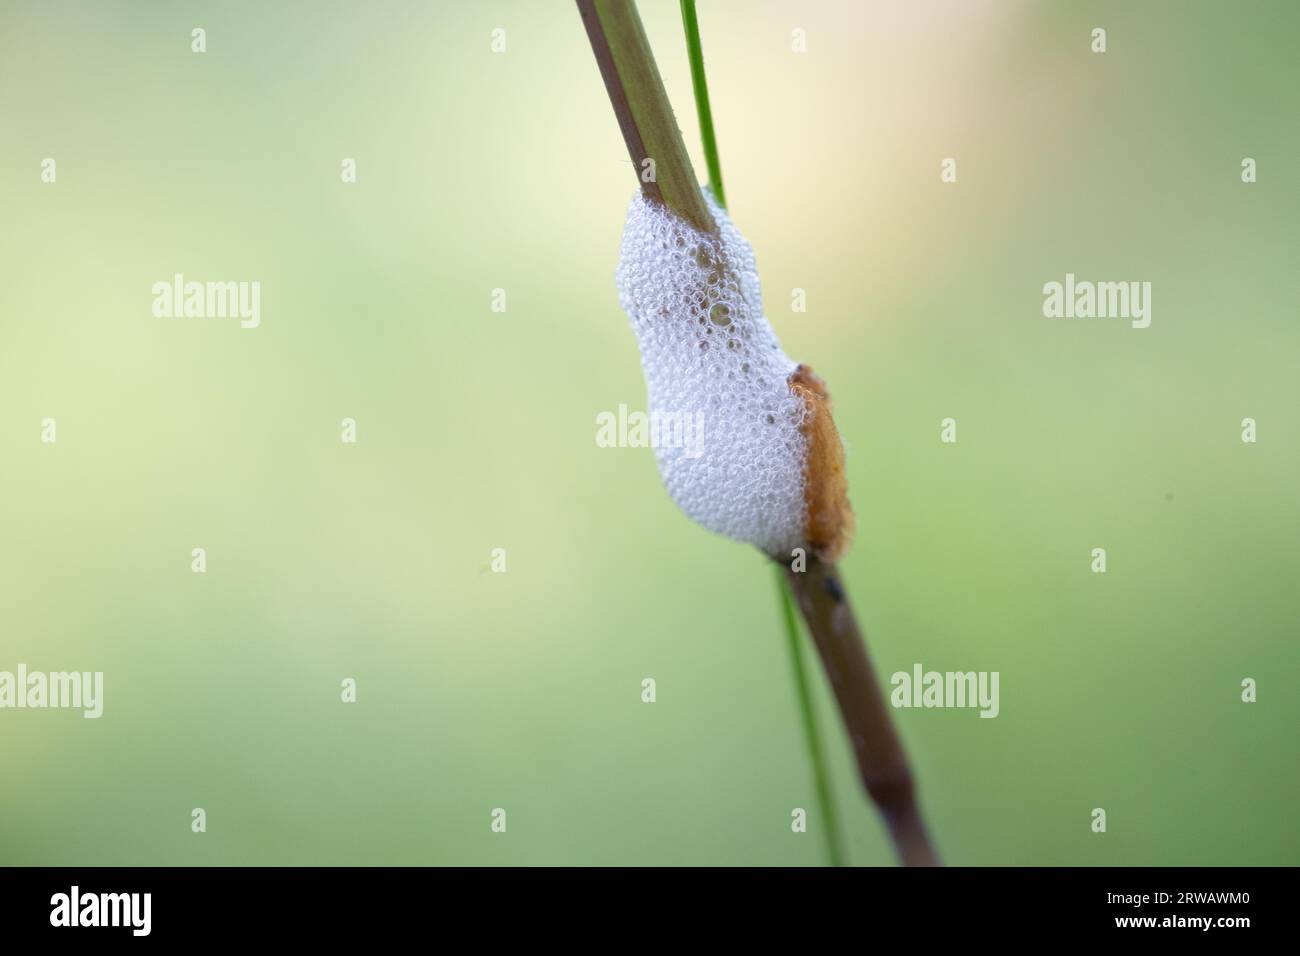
x=706, y=346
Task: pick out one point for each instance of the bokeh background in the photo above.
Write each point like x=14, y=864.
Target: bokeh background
x=476, y=431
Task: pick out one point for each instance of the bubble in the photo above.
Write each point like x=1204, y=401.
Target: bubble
x=673, y=280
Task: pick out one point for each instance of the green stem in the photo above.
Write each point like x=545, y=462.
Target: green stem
x=641, y=106
x=701, y=87
x=821, y=774
x=645, y=117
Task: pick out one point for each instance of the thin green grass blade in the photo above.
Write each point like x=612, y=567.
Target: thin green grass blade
x=701, y=87
x=821, y=773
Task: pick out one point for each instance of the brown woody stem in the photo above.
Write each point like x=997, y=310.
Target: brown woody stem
x=650, y=131
x=882, y=764
x=644, y=114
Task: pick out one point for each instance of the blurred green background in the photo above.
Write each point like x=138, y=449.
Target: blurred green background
x=476, y=431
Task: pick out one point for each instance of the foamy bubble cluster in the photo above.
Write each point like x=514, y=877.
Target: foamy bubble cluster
x=706, y=346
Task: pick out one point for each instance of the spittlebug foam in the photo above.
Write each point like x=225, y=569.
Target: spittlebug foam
x=769, y=470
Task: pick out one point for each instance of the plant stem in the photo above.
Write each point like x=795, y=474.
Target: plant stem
x=881, y=762
x=701, y=86
x=650, y=131
x=820, y=769
x=821, y=773
x=641, y=105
